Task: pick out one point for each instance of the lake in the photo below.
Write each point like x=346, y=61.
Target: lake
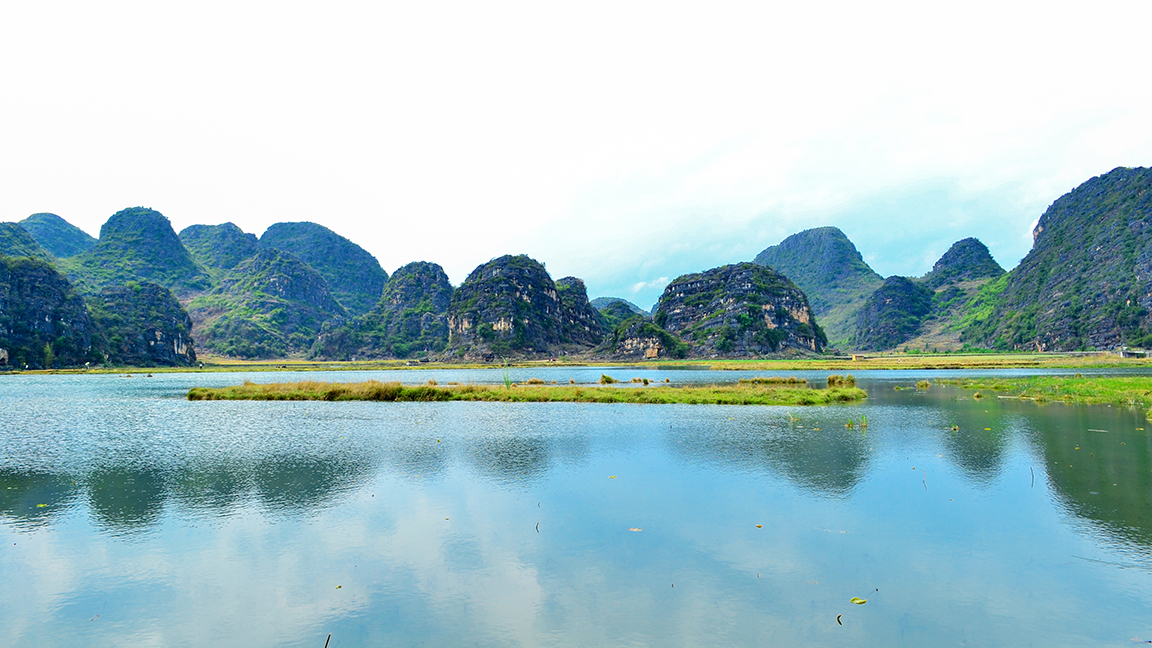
x=130, y=516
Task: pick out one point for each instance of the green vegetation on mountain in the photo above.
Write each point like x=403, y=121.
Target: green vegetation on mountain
x=44, y=323
x=1087, y=283
x=354, y=276
x=511, y=307
x=271, y=305
x=968, y=259
x=137, y=244
x=614, y=310
x=15, y=241
x=56, y=235
x=825, y=264
x=892, y=314
x=739, y=310
x=411, y=319
x=218, y=247
x=740, y=394
x=143, y=326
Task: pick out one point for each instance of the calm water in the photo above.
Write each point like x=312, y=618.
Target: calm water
x=129, y=516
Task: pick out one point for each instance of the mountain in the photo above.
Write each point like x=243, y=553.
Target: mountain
x=581, y=320
x=354, y=276
x=137, y=244
x=43, y=321
x=411, y=319
x=15, y=241
x=615, y=311
x=825, y=264
x=1087, y=282
x=271, y=305
x=56, y=235
x=218, y=247
x=144, y=326
x=744, y=309
x=967, y=260
x=892, y=314
x=510, y=306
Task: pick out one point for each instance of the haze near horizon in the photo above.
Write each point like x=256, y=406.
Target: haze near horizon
x=623, y=144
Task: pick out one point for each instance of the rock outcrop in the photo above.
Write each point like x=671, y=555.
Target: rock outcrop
x=826, y=265
x=44, y=323
x=739, y=310
x=270, y=305
x=144, y=326
x=137, y=244
x=511, y=307
x=218, y=247
x=639, y=339
x=354, y=276
x=1087, y=282
x=411, y=319
x=56, y=235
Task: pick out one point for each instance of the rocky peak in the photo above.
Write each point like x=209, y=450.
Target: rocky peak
x=743, y=309
x=966, y=260
x=221, y=247
x=56, y=235
x=354, y=276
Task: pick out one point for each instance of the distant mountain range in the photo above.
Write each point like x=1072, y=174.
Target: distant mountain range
x=142, y=295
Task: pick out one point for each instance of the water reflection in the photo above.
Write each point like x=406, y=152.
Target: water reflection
x=126, y=499
x=828, y=461
x=32, y=499
x=1100, y=467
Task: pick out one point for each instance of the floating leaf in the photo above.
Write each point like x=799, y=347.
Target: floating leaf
x=339, y=586
x=612, y=477
x=635, y=529
x=759, y=526
x=857, y=600
x=41, y=505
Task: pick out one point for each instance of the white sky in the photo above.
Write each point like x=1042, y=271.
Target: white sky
x=624, y=143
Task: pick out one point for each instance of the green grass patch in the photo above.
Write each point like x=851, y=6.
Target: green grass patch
x=1135, y=391
x=740, y=394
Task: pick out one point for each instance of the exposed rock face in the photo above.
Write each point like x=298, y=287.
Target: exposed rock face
x=739, y=310
x=353, y=275
x=220, y=247
x=43, y=321
x=56, y=235
x=510, y=306
x=639, y=339
x=1087, y=283
x=270, y=305
x=144, y=325
x=137, y=244
x=968, y=259
x=825, y=264
x=892, y=314
x=15, y=241
x=615, y=311
x=410, y=320
x=581, y=320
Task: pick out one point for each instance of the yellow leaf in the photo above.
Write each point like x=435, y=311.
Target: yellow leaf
x=857, y=600
x=759, y=526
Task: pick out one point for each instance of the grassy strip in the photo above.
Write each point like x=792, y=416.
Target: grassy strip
x=393, y=391
x=1132, y=391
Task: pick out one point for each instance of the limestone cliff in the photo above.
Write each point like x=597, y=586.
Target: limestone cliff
x=144, y=326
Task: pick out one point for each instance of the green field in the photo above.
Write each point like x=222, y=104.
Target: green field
x=1131, y=391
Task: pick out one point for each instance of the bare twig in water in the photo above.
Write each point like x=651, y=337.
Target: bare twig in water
x=327, y=640
x=537, y=527
x=1033, y=471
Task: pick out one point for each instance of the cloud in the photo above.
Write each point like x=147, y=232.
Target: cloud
x=657, y=284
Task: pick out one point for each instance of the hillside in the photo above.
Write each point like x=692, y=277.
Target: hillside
x=511, y=307
x=271, y=305
x=892, y=314
x=825, y=264
x=137, y=244
x=1087, y=282
x=353, y=275
x=739, y=310
x=44, y=323
x=411, y=319
x=143, y=326
x=218, y=247
x=56, y=235
x=15, y=241
x=615, y=311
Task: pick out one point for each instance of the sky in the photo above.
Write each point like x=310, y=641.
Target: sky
x=623, y=143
